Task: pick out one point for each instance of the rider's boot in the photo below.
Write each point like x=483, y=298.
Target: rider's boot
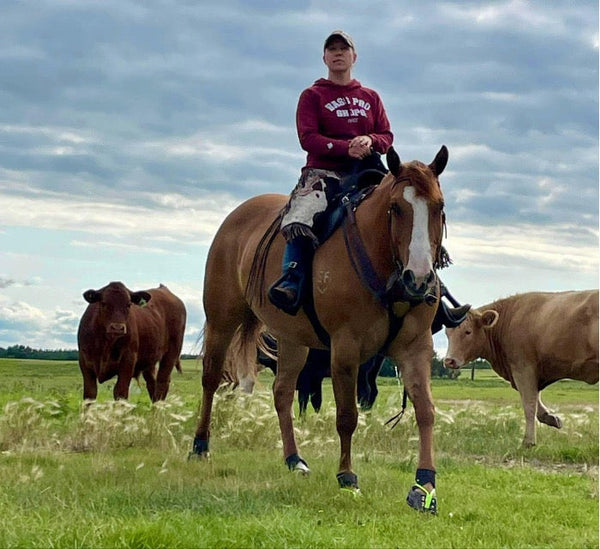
x=286, y=292
x=451, y=317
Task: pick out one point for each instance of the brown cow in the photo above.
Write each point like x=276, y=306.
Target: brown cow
x=532, y=340
x=124, y=333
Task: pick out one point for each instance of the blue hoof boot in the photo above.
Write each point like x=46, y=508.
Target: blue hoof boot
x=296, y=463
x=422, y=500
x=199, y=449
x=347, y=480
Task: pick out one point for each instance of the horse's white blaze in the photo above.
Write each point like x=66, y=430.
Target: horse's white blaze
x=419, y=249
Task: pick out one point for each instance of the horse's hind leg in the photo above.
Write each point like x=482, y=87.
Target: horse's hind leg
x=291, y=359
x=216, y=343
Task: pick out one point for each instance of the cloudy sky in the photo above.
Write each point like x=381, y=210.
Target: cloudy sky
x=129, y=129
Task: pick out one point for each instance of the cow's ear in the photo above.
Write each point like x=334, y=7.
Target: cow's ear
x=393, y=161
x=92, y=296
x=440, y=161
x=489, y=319
x=140, y=298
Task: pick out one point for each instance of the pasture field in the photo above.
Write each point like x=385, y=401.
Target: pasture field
x=118, y=475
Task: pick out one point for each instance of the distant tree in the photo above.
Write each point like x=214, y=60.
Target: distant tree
x=26, y=352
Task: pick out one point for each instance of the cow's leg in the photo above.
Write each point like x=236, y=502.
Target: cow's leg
x=150, y=379
x=316, y=392
x=163, y=377
x=303, y=387
x=344, y=373
x=216, y=343
x=414, y=360
x=526, y=383
x=545, y=416
x=290, y=361
x=90, y=383
x=363, y=386
x=121, y=390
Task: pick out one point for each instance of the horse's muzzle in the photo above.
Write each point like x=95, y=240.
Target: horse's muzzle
x=403, y=286
x=418, y=288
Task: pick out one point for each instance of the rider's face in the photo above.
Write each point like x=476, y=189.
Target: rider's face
x=339, y=56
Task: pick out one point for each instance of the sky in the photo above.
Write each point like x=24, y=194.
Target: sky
x=130, y=129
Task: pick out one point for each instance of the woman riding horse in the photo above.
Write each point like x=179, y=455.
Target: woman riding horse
x=343, y=127
x=397, y=231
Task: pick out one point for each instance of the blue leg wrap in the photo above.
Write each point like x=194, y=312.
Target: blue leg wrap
x=424, y=476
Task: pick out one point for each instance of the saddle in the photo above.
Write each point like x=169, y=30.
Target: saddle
x=353, y=189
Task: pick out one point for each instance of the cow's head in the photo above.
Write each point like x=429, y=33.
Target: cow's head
x=468, y=341
x=114, y=302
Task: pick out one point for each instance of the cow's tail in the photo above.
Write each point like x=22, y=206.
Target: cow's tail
x=178, y=366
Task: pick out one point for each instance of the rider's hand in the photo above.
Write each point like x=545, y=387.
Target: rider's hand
x=360, y=146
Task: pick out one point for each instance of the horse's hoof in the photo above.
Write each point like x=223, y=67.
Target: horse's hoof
x=297, y=464
x=422, y=500
x=199, y=449
x=348, y=481
x=552, y=420
x=193, y=456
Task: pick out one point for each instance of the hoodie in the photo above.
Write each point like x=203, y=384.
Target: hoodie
x=329, y=116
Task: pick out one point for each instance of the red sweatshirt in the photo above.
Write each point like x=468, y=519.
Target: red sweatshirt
x=329, y=116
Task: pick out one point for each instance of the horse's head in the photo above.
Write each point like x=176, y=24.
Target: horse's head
x=416, y=220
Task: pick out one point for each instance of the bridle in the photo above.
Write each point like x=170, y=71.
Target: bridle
x=396, y=289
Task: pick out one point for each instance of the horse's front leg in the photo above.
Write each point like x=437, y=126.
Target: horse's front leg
x=414, y=361
x=291, y=359
x=344, y=374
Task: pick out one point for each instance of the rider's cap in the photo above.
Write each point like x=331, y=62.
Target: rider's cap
x=342, y=36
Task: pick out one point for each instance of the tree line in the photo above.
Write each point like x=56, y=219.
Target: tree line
x=24, y=352
x=388, y=369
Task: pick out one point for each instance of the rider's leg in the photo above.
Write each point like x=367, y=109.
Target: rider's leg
x=286, y=293
x=307, y=202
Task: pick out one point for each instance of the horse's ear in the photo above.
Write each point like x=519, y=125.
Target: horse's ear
x=393, y=162
x=440, y=161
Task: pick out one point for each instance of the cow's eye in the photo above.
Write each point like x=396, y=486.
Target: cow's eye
x=468, y=332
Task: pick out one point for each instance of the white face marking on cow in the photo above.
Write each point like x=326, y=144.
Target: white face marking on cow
x=419, y=261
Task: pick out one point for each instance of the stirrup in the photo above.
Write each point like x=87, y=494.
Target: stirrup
x=457, y=315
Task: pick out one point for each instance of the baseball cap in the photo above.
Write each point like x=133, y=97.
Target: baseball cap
x=342, y=36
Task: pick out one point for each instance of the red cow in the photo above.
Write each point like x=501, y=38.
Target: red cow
x=124, y=333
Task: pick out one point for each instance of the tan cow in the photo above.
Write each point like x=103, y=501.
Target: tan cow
x=532, y=340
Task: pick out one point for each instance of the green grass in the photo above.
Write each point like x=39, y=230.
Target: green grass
x=118, y=476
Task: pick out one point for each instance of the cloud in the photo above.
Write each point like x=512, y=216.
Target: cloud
x=128, y=131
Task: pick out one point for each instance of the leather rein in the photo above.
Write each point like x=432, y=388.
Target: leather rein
x=393, y=290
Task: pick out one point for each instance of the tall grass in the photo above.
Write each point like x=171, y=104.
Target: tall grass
x=116, y=474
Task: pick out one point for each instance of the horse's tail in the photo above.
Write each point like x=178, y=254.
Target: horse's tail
x=255, y=287
x=241, y=365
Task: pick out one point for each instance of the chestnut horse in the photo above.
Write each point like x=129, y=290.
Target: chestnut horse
x=401, y=225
